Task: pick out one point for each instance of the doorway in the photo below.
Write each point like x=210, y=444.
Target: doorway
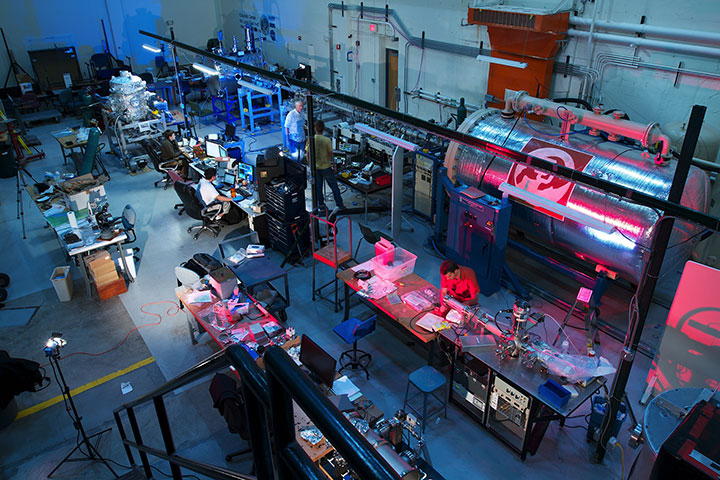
x=391, y=79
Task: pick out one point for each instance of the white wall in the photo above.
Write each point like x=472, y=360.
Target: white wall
x=645, y=94
x=39, y=24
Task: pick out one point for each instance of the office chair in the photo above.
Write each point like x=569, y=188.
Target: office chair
x=229, y=133
x=370, y=236
x=351, y=331
x=128, y=222
x=195, y=209
x=152, y=149
x=228, y=400
x=66, y=102
x=175, y=178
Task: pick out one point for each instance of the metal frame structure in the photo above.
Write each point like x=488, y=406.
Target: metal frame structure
x=269, y=398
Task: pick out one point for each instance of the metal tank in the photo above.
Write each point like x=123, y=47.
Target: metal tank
x=621, y=251
x=128, y=97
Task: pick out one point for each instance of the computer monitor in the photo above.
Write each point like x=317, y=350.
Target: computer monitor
x=246, y=171
x=212, y=149
x=229, y=178
x=317, y=360
x=223, y=152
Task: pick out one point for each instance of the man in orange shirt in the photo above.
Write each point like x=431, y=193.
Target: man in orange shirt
x=459, y=282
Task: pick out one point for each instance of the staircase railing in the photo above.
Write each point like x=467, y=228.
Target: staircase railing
x=269, y=401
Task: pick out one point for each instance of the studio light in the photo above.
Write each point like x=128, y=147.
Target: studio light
x=411, y=147
x=567, y=212
x=205, y=70
x=501, y=61
x=151, y=48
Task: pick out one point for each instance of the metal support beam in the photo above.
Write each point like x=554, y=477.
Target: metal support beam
x=649, y=279
x=179, y=84
x=311, y=143
x=396, y=196
x=640, y=198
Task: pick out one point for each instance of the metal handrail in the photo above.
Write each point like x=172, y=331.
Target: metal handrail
x=287, y=384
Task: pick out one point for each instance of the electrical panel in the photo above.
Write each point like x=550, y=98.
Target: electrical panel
x=424, y=173
x=508, y=412
x=477, y=234
x=470, y=387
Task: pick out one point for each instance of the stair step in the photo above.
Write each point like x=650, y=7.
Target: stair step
x=134, y=474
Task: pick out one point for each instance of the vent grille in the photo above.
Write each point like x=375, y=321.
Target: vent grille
x=506, y=19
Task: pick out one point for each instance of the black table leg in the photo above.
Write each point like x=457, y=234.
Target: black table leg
x=347, y=301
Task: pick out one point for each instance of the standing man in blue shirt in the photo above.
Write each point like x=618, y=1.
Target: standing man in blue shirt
x=295, y=131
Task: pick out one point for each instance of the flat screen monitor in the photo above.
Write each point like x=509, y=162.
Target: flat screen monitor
x=223, y=152
x=229, y=178
x=246, y=171
x=212, y=149
x=317, y=360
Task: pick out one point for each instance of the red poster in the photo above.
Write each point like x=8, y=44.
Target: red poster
x=556, y=189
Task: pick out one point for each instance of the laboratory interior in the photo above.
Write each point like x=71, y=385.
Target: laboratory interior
x=400, y=239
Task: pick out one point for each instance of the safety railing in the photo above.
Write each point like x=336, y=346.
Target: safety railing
x=269, y=407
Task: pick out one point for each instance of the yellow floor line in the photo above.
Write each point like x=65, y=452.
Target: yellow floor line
x=84, y=388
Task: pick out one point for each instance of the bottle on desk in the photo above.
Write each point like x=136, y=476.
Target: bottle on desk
x=232, y=191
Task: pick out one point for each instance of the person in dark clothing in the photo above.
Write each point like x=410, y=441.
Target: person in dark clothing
x=171, y=155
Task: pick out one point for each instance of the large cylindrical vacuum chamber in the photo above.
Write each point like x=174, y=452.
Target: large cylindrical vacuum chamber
x=621, y=251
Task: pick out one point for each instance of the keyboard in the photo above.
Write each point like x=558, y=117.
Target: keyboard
x=243, y=191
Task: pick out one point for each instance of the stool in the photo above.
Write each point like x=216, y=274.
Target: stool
x=427, y=381
x=351, y=331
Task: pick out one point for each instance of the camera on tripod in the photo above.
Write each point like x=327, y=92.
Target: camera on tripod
x=54, y=344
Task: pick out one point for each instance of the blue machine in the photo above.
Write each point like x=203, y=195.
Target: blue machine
x=477, y=234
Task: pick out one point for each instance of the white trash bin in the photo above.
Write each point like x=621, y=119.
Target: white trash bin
x=62, y=281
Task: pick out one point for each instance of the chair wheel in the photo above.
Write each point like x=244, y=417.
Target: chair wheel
x=3, y=294
x=189, y=229
x=4, y=280
x=228, y=458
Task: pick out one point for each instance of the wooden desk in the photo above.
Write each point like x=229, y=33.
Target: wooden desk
x=69, y=141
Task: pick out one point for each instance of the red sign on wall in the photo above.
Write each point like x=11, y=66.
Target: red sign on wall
x=544, y=184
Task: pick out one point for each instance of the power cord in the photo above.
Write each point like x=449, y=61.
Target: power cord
x=615, y=443
x=172, y=310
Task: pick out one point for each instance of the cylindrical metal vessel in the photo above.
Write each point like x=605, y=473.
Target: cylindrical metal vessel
x=621, y=251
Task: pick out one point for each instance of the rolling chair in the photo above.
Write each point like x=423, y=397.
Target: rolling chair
x=195, y=209
x=370, y=236
x=229, y=133
x=152, y=149
x=66, y=102
x=128, y=222
x=228, y=400
x=351, y=331
x=175, y=178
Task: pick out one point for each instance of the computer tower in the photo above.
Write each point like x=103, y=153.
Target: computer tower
x=422, y=196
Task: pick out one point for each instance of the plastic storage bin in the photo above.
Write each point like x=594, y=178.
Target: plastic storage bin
x=394, y=264
x=554, y=393
x=62, y=281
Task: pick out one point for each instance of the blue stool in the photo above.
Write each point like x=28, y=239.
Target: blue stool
x=427, y=381
x=351, y=331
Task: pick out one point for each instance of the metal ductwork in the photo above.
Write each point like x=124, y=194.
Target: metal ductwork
x=621, y=251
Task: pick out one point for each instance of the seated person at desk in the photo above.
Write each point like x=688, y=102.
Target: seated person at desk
x=170, y=152
x=323, y=168
x=210, y=196
x=459, y=282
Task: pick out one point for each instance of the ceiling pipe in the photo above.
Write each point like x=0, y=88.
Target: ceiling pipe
x=654, y=31
x=669, y=47
x=647, y=135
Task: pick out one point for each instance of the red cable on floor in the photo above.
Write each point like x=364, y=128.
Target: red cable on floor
x=174, y=309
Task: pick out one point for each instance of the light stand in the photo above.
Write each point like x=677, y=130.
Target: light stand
x=52, y=351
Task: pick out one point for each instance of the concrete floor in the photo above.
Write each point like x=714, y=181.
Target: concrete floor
x=31, y=446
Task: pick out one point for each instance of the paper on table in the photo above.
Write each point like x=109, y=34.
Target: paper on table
x=363, y=266
x=199, y=297
x=125, y=388
x=344, y=386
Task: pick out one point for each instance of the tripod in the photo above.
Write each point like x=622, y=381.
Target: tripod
x=20, y=161
x=93, y=455
x=14, y=66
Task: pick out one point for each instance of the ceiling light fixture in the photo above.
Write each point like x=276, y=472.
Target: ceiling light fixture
x=501, y=61
x=151, y=48
x=205, y=70
x=411, y=147
x=252, y=86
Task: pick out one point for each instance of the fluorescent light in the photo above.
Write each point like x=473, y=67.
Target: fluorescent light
x=151, y=48
x=501, y=61
x=205, y=70
x=542, y=202
x=361, y=127
x=257, y=88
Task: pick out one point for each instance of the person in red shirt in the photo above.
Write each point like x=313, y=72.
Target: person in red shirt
x=459, y=282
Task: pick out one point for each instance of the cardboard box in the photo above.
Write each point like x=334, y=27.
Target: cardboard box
x=80, y=200
x=111, y=289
